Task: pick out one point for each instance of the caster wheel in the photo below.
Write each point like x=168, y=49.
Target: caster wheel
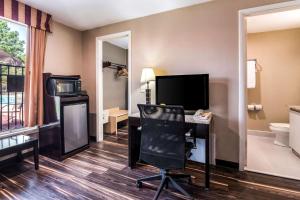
x=139, y=184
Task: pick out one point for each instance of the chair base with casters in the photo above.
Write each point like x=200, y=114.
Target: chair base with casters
x=166, y=177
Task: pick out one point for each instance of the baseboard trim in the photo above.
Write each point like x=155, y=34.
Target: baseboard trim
x=296, y=153
x=229, y=164
x=261, y=133
x=271, y=174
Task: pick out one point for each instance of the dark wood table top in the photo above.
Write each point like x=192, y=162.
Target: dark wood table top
x=15, y=140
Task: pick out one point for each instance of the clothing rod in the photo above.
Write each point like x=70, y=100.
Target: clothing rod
x=113, y=65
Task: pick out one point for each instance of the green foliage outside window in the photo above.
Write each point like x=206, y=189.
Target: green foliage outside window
x=10, y=42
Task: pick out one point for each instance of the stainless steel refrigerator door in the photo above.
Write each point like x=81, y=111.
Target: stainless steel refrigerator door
x=75, y=126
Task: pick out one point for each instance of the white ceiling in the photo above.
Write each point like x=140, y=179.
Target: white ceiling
x=274, y=21
x=121, y=42
x=88, y=14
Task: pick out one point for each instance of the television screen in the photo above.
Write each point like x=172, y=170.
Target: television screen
x=190, y=91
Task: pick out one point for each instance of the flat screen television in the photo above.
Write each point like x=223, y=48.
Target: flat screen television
x=190, y=91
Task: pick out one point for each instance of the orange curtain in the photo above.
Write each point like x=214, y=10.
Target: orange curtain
x=33, y=90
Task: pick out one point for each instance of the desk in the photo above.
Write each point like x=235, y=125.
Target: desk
x=201, y=129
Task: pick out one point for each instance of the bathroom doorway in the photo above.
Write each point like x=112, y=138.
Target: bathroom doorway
x=272, y=94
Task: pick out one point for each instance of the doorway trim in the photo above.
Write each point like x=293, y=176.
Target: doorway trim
x=99, y=78
x=243, y=65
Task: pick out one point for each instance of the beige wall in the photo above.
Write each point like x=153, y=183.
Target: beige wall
x=63, y=51
x=278, y=83
x=114, y=88
x=197, y=39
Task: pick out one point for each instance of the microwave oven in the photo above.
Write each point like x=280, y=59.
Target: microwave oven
x=64, y=86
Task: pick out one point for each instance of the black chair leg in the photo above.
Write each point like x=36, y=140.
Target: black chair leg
x=150, y=178
x=166, y=179
x=139, y=183
x=180, y=176
x=161, y=187
x=179, y=188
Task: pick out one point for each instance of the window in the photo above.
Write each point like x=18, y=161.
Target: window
x=12, y=71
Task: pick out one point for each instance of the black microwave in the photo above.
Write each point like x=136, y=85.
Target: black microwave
x=64, y=85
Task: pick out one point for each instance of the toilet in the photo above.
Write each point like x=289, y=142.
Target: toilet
x=281, y=131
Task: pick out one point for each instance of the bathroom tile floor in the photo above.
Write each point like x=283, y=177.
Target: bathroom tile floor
x=265, y=157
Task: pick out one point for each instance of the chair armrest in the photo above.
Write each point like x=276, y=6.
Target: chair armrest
x=191, y=137
x=189, y=133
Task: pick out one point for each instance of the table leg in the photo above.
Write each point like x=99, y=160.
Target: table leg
x=36, y=155
x=207, y=164
x=20, y=156
x=131, y=162
x=133, y=145
x=116, y=127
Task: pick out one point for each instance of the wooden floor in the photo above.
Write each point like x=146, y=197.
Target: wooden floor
x=101, y=172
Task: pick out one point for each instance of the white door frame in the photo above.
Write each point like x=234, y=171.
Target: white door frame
x=242, y=68
x=99, y=79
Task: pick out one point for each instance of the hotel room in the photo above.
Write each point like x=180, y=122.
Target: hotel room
x=195, y=99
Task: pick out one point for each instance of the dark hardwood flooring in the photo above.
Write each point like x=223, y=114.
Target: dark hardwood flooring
x=101, y=172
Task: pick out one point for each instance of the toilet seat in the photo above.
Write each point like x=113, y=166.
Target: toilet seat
x=282, y=127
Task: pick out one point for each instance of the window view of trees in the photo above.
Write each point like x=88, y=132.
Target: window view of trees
x=11, y=43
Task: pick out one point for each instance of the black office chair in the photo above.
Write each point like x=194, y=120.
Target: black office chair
x=163, y=144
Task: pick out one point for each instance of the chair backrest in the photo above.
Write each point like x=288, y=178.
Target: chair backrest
x=162, y=136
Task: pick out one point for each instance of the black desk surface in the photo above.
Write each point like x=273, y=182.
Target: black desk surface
x=188, y=119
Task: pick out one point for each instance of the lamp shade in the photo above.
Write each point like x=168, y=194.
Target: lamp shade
x=147, y=75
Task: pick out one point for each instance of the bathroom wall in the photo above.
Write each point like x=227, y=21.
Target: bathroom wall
x=114, y=88
x=278, y=83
